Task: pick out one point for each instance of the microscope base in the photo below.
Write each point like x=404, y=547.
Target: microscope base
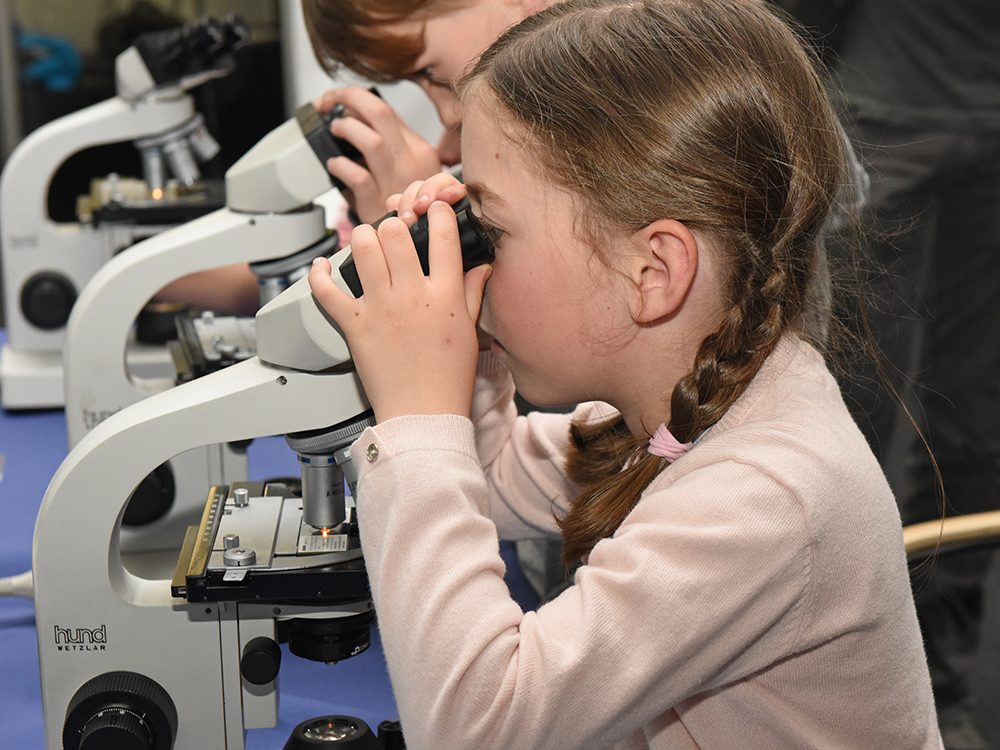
x=34, y=380
x=31, y=380
x=150, y=362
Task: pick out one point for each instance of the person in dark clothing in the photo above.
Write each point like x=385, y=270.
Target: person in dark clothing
x=919, y=90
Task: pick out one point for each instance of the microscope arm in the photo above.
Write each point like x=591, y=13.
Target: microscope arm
x=82, y=507
x=97, y=381
x=246, y=400
x=31, y=241
x=269, y=214
x=26, y=177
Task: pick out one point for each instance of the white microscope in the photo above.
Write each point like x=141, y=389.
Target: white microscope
x=190, y=661
x=47, y=263
x=270, y=221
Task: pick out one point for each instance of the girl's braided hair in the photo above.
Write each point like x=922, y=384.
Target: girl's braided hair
x=710, y=112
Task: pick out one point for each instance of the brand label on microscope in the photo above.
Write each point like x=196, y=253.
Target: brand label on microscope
x=81, y=639
x=317, y=543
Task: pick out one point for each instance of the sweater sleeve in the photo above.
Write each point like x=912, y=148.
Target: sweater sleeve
x=695, y=590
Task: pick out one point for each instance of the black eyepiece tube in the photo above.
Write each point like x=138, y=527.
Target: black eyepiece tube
x=477, y=248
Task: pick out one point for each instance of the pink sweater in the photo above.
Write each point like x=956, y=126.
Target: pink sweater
x=757, y=596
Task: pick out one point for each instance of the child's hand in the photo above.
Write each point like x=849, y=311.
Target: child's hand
x=394, y=154
x=415, y=200
x=413, y=338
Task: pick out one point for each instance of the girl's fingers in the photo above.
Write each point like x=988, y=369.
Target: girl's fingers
x=475, y=285
x=398, y=252
x=325, y=290
x=445, y=252
x=366, y=105
x=353, y=175
x=353, y=130
x=407, y=199
x=443, y=186
x=416, y=199
x=370, y=261
x=452, y=193
x=327, y=100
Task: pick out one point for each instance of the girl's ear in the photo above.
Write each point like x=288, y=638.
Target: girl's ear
x=665, y=269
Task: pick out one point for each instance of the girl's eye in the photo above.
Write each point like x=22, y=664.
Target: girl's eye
x=493, y=234
x=427, y=74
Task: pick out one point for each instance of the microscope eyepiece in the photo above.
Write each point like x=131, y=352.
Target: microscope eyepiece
x=477, y=246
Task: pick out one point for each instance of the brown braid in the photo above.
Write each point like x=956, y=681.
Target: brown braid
x=706, y=111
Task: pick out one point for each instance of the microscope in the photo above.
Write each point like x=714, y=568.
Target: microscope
x=47, y=263
x=270, y=221
x=190, y=660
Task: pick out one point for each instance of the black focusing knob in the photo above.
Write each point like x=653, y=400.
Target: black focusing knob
x=120, y=711
x=47, y=299
x=261, y=661
x=116, y=729
x=151, y=500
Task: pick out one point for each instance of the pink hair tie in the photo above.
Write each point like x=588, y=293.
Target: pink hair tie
x=666, y=445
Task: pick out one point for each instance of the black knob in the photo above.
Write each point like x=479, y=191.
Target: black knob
x=120, y=711
x=390, y=734
x=157, y=324
x=47, y=299
x=261, y=661
x=152, y=499
x=116, y=729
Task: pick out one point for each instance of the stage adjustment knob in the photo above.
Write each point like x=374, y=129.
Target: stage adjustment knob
x=120, y=711
x=261, y=661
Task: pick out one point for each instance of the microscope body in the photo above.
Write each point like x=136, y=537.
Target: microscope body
x=47, y=263
x=269, y=215
x=181, y=662
x=191, y=650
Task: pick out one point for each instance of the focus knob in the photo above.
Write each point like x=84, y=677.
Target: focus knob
x=116, y=729
x=261, y=661
x=151, y=500
x=390, y=733
x=120, y=711
x=46, y=300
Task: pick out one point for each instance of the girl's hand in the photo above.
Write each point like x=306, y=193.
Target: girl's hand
x=419, y=195
x=394, y=154
x=413, y=337
x=414, y=201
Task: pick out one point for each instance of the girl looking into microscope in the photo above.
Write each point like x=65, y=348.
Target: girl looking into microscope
x=655, y=173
